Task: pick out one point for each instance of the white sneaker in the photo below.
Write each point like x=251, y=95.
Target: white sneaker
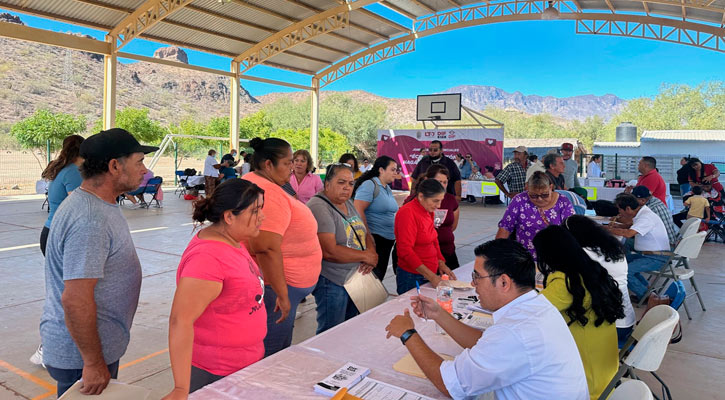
x=37, y=357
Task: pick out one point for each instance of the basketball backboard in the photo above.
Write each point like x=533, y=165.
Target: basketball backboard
x=439, y=107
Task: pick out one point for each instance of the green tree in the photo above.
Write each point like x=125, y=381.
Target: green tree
x=357, y=121
x=35, y=131
x=138, y=123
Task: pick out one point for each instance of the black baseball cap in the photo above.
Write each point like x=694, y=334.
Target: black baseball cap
x=641, y=192
x=112, y=143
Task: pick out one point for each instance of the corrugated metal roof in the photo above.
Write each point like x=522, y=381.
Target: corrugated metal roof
x=616, y=144
x=683, y=135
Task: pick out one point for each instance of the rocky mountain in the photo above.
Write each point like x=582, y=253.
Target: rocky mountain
x=577, y=107
x=35, y=76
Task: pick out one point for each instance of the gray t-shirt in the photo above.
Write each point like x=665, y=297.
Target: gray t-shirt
x=89, y=239
x=330, y=221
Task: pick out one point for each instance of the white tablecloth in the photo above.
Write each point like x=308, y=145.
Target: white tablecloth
x=473, y=188
x=195, y=180
x=291, y=373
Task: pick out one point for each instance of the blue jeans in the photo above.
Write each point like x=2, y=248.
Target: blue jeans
x=67, y=377
x=406, y=280
x=334, y=305
x=640, y=263
x=623, y=335
x=279, y=336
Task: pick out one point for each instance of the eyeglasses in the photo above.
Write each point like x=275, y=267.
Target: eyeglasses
x=542, y=196
x=475, y=276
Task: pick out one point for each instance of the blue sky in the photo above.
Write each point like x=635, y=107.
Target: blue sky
x=539, y=57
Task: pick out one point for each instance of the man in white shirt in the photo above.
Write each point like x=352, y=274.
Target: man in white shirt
x=211, y=172
x=650, y=240
x=528, y=353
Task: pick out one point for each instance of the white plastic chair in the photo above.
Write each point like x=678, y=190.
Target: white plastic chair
x=678, y=268
x=689, y=227
x=632, y=390
x=650, y=338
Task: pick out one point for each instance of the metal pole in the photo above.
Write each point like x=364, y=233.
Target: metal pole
x=616, y=166
x=47, y=150
x=176, y=163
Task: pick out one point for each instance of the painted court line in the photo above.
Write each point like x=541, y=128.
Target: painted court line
x=144, y=358
x=25, y=246
x=40, y=382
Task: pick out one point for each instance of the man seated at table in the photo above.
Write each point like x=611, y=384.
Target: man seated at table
x=645, y=198
x=650, y=240
x=528, y=353
x=651, y=178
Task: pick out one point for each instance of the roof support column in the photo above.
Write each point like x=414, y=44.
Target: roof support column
x=234, y=109
x=109, y=86
x=315, y=121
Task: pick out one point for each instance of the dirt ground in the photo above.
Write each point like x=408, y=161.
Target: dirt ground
x=20, y=170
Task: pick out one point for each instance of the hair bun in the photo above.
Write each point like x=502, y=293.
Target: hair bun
x=202, y=208
x=256, y=143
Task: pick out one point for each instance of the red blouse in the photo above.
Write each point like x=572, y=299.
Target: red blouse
x=416, y=238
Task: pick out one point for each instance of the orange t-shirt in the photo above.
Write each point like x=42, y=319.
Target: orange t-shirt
x=289, y=217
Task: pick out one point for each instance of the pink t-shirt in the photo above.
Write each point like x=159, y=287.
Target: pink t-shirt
x=229, y=334
x=311, y=184
x=285, y=216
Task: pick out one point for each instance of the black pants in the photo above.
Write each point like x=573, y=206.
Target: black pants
x=451, y=260
x=201, y=378
x=679, y=218
x=43, y=239
x=383, y=247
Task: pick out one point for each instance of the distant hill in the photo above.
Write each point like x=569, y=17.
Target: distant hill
x=35, y=76
x=577, y=107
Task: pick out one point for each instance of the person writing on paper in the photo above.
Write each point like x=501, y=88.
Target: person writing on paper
x=528, y=352
x=588, y=298
x=287, y=249
x=419, y=254
x=346, y=244
x=218, y=320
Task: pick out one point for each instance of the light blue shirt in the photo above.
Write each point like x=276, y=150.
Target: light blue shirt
x=67, y=180
x=380, y=214
x=528, y=353
x=89, y=239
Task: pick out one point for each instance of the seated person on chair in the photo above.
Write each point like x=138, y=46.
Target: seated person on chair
x=645, y=198
x=699, y=205
x=528, y=353
x=138, y=193
x=650, y=240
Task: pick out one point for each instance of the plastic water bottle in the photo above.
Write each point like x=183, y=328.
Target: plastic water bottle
x=444, y=294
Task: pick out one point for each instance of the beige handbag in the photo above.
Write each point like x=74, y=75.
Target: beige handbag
x=366, y=291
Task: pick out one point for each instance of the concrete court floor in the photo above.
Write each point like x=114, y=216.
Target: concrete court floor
x=693, y=368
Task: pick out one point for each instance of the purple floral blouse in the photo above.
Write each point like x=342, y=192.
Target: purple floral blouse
x=524, y=218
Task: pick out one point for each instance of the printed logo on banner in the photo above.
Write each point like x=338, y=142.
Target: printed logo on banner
x=490, y=141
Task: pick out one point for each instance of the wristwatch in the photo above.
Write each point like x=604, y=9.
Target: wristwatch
x=406, y=335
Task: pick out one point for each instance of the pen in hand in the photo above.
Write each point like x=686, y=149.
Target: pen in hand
x=422, y=306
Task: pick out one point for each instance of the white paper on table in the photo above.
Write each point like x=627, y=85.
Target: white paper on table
x=371, y=389
x=114, y=391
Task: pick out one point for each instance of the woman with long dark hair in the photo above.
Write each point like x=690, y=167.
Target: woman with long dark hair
x=602, y=247
x=65, y=177
x=419, y=254
x=351, y=160
x=446, y=216
x=376, y=205
x=286, y=249
x=587, y=297
x=701, y=172
x=218, y=319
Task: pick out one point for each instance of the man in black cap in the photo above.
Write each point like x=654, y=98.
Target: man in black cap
x=92, y=271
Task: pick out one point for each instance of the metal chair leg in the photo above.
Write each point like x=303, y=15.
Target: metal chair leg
x=697, y=292
x=667, y=394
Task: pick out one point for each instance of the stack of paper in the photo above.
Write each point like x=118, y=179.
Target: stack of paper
x=345, y=377
x=114, y=391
